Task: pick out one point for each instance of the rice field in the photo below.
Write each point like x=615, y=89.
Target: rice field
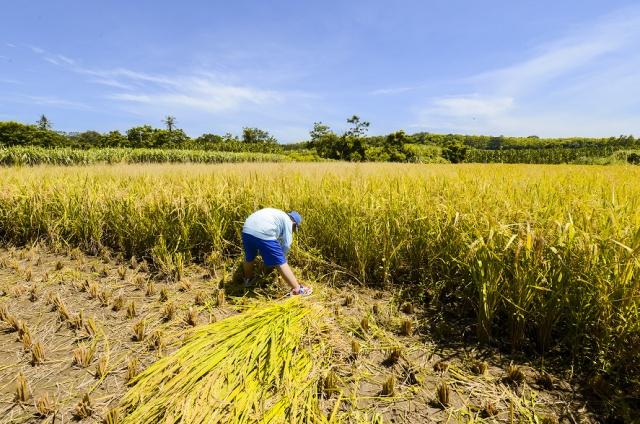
x=445, y=291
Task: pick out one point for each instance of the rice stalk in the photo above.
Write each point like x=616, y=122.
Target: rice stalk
x=245, y=368
x=22, y=390
x=44, y=405
x=84, y=408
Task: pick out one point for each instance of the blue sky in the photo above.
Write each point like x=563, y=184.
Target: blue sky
x=550, y=68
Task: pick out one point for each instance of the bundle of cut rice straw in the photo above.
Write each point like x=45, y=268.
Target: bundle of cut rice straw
x=244, y=369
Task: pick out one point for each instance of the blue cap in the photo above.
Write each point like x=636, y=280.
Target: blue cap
x=296, y=217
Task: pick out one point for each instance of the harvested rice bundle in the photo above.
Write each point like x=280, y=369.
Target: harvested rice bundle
x=248, y=368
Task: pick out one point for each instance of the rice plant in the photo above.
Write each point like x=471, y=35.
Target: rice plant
x=389, y=387
x=169, y=311
x=329, y=384
x=406, y=328
x=45, y=406
x=220, y=298
x=22, y=390
x=102, y=367
x=139, y=330
x=549, y=252
x=132, y=310
x=83, y=355
x=164, y=294
x=37, y=354
x=443, y=394
x=191, y=317
x=90, y=326
x=112, y=417
x=274, y=383
x=355, y=348
x=118, y=303
x=150, y=289
x=515, y=375
x=83, y=408
x=132, y=369
x=479, y=367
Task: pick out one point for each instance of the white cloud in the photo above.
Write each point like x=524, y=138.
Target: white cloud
x=204, y=94
x=583, y=84
x=56, y=101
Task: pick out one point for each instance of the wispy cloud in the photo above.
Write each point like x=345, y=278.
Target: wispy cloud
x=201, y=91
x=558, y=90
x=10, y=45
x=56, y=101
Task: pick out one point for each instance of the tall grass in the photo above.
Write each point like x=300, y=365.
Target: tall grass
x=542, y=256
x=28, y=156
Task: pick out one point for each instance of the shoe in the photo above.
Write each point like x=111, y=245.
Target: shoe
x=302, y=291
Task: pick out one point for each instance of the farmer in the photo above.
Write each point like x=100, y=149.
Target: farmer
x=270, y=232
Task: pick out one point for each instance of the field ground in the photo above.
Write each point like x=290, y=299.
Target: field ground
x=103, y=289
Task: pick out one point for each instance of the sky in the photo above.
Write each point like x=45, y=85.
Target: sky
x=546, y=68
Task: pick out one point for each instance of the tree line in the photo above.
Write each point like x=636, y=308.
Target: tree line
x=41, y=134
x=353, y=144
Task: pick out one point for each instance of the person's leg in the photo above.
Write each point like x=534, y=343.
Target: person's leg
x=248, y=269
x=250, y=252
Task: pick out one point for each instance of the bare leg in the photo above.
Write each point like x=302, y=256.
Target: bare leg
x=248, y=269
x=287, y=274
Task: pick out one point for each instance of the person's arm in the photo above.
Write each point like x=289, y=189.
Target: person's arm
x=289, y=277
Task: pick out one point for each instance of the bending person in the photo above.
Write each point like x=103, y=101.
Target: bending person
x=269, y=232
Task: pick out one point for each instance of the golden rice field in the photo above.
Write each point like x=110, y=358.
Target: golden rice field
x=461, y=293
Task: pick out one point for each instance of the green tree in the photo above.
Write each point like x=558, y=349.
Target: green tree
x=44, y=123
x=169, y=139
x=454, y=152
x=170, y=122
x=86, y=139
x=257, y=136
x=114, y=139
x=141, y=136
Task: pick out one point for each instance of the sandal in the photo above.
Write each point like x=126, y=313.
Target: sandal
x=302, y=291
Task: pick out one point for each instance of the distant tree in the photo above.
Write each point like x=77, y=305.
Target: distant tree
x=454, y=152
x=230, y=138
x=44, y=123
x=141, y=136
x=351, y=145
x=169, y=139
x=170, y=122
x=209, y=139
x=395, y=146
x=114, y=139
x=633, y=158
x=319, y=131
x=85, y=139
x=256, y=135
x=359, y=128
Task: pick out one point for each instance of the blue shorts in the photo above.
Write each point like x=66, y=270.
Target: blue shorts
x=270, y=250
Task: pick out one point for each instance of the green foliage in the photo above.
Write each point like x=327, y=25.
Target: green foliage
x=454, y=152
x=349, y=146
x=257, y=136
x=17, y=134
x=43, y=123
x=170, y=122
